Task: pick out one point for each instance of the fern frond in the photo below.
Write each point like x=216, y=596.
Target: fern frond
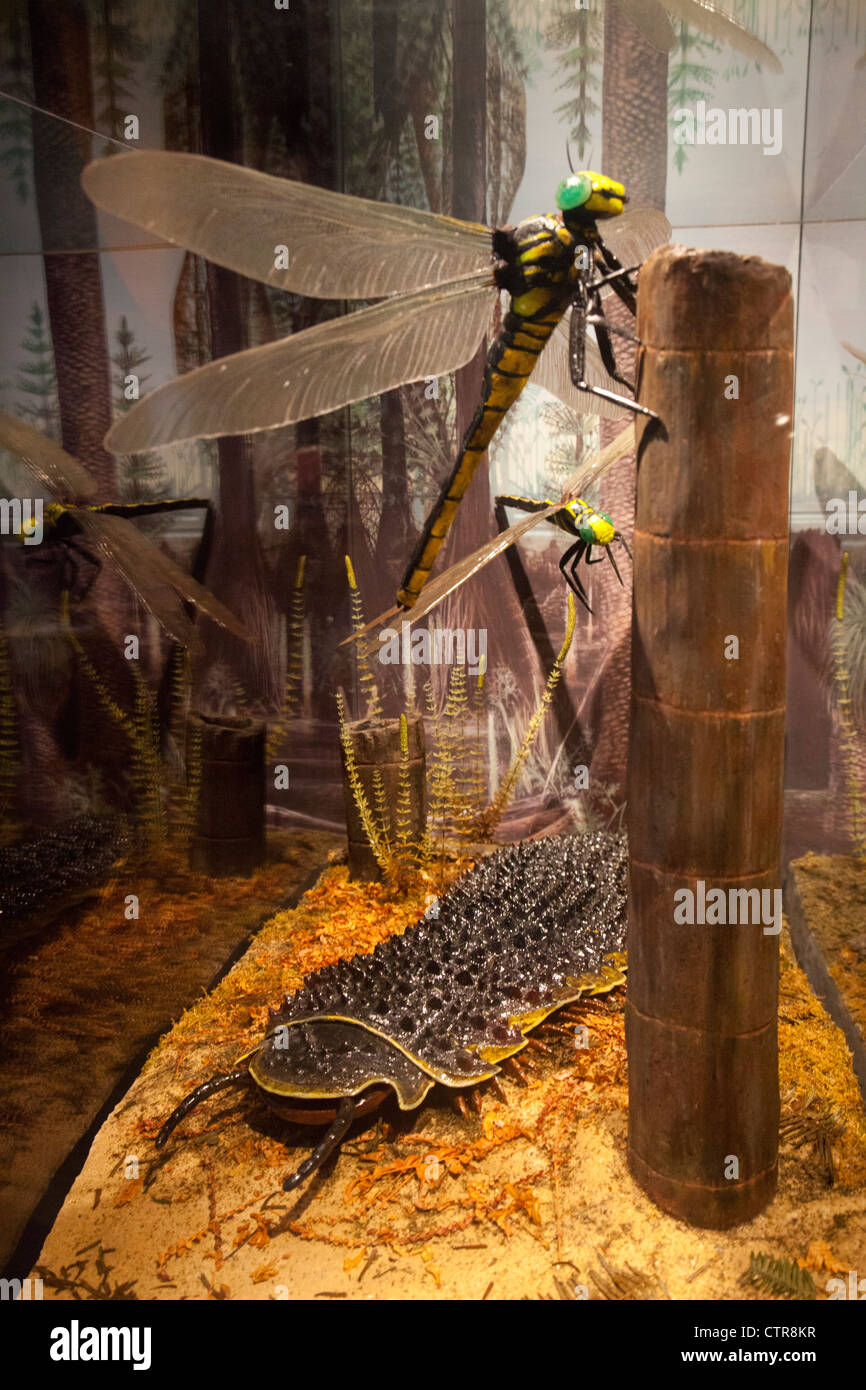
x=779, y=1278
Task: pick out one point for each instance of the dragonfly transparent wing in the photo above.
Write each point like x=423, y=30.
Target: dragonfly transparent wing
x=634, y=235
x=336, y=246
x=713, y=20
x=855, y=352
x=332, y=364
x=444, y=584
x=577, y=483
x=58, y=472
x=161, y=584
x=650, y=18
x=553, y=372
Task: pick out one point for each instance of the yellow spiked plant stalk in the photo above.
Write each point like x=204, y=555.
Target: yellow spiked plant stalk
x=493, y=813
x=366, y=679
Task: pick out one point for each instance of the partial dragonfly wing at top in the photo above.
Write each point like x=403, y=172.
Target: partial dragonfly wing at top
x=444, y=584
x=58, y=472
x=713, y=20
x=634, y=235
x=317, y=370
x=553, y=372
x=336, y=246
x=161, y=584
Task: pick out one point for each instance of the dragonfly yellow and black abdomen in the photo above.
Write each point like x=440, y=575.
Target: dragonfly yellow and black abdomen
x=536, y=265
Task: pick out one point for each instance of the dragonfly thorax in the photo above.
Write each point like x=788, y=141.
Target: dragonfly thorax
x=536, y=254
x=597, y=529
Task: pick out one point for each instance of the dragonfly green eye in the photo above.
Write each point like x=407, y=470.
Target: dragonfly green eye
x=573, y=192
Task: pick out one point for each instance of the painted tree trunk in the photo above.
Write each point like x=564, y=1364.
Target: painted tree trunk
x=469, y=201
x=237, y=568
x=60, y=43
x=705, y=776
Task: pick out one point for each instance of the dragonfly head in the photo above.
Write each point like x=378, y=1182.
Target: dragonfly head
x=585, y=196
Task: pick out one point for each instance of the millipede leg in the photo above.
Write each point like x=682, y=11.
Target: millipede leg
x=339, y=1125
x=207, y=1088
x=513, y=1067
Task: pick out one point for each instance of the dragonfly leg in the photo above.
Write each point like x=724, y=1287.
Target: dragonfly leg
x=577, y=351
x=625, y=401
x=568, y=565
x=610, y=556
x=605, y=347
x=618, y=279
x=596, y=319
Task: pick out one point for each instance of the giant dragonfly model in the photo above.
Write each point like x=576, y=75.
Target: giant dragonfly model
x=442, y=278
x=85, y=533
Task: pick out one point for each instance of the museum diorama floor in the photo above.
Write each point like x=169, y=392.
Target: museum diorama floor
x=529, y=1198
x=87, y=996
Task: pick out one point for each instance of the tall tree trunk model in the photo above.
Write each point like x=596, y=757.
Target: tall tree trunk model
x=706, y=764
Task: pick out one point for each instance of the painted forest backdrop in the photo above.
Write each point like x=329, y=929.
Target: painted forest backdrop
x=341, y=93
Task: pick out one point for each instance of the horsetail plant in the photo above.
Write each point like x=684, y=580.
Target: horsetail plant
x=380, y=849
x=366, y=679
x=849, y=740
x=493, y=813
x=294, y=664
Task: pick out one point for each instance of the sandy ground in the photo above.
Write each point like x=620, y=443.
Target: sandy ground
x=832, y=890
x=526, y=1199
x=89, y=995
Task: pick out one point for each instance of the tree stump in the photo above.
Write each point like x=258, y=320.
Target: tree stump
x=376, y=747
x=229, y=834
x=705, y=777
